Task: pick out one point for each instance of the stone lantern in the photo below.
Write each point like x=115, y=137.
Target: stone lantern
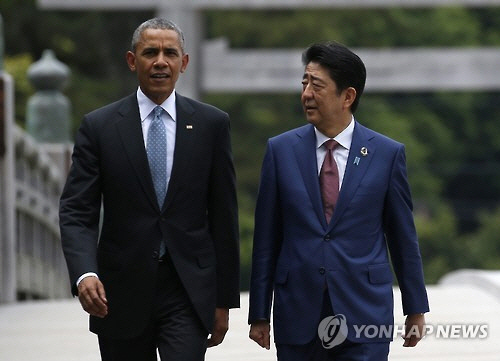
x=48, y=118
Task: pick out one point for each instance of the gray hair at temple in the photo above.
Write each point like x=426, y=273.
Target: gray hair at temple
x=157, y=23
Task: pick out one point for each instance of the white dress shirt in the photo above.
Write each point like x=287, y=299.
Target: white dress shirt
x=340, y=153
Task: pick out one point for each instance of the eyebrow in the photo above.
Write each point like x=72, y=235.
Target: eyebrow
x=313, y=78
x=156, y=48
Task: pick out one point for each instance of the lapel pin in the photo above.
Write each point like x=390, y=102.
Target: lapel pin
x=356, y=160
x=189, y=126
x=364, y=151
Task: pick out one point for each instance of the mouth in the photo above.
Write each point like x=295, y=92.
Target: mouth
x=160, y=76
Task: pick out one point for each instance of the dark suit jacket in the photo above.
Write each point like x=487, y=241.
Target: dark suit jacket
x=198, y=220
x=296, y=252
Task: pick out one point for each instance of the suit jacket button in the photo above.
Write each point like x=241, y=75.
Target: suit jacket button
x=322, y=270
x=327, y=238
x=155, y=254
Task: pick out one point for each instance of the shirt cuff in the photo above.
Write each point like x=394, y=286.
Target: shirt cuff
x=85, y=275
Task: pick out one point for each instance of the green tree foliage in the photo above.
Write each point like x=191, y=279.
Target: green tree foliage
x=93, y=44
x=356, y=27
x=482, y=246
x=451, y=139
x=441, y=248
x=17, y=67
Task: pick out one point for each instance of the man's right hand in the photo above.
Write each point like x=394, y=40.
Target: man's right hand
x=92, y=296
x=260, y=333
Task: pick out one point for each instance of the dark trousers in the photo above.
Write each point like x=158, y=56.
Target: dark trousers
x=175, y=330
x=346, y=351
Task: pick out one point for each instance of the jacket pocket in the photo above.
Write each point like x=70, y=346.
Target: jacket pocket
x=380, y=273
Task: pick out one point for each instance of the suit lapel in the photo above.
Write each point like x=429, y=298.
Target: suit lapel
x=130, y=130
x=356, y=167
x=184, y=141
x=305, y=153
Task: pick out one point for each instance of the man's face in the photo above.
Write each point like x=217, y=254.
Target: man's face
x=158, y=61
x=321, y=101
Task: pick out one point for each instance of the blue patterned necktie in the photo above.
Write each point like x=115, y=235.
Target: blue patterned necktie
x=157, y=154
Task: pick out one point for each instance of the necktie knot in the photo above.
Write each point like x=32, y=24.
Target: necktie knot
x=157, y=111
x=330, y=144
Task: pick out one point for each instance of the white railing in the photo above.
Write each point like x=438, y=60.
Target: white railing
x=32, y=265
x=41, y=270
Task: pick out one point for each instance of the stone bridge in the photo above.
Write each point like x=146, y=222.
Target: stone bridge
x=33, y=168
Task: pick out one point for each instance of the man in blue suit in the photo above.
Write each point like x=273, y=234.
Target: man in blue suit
x=334, y=202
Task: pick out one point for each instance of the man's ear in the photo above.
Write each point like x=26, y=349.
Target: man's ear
x=185, y=61
x=130, y=57
x=350, y=97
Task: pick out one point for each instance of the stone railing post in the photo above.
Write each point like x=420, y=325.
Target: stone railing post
x=48, y=112
x=48, y=117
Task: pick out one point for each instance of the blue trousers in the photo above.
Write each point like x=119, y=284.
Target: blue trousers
x=346, y=351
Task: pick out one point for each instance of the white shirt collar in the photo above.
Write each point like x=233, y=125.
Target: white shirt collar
x=344, y=138
x=146, y=105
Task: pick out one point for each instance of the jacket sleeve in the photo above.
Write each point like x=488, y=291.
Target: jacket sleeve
x=402, y=239
x=80, y=205
x=267, y=241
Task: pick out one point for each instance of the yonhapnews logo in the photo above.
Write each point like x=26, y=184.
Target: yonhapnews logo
x=332, y=330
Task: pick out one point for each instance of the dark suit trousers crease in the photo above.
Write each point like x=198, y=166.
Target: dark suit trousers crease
x=175, y=329
x=346, y=351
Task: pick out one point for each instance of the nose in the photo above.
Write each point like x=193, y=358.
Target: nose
x=161, y=61
x=307, y=92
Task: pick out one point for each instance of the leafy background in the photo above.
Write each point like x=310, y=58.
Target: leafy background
x=452, y=138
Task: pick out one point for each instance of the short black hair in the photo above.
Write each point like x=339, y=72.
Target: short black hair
x=156, y=23
x=346, y=68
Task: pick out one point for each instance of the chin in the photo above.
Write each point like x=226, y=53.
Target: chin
x=312, y=120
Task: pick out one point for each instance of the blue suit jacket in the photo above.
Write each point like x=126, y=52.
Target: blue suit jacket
x=296, y=252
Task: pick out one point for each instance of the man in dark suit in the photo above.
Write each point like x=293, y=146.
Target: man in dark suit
x=334, y=202
x=163, y=270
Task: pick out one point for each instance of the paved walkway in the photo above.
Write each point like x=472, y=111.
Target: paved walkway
x=57, y=331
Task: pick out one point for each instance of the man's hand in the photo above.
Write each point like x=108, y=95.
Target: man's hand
x=260, y=332
x=221, y=325
x=414, y=329
x=92, y=296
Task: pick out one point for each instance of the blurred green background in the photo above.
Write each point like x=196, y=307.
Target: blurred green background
x=452, y=138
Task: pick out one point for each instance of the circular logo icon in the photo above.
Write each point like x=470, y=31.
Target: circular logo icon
x=332, y=331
